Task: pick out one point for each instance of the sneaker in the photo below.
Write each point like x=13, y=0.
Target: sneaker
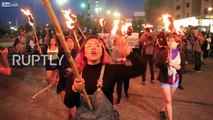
x=143, y=83
x=198, y=71
x=162, y=115
x=152, y=81
x=180, y=87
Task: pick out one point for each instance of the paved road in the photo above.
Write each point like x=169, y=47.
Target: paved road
x=193, y=103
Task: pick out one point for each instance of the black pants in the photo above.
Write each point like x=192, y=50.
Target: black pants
x=205, y=54
x=197, y=56
x=150, y=59
x=119, y=87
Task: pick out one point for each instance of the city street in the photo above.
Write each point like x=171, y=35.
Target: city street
x=193, y=103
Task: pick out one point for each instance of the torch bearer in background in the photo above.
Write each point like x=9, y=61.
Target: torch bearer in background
x=31, y=22
x=71, y=21
x=102, y=23
x=125, y=28
x=166, y=22
x=115, y=26
x=60, y=35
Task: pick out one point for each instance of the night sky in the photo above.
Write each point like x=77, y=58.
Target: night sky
x=126, y=8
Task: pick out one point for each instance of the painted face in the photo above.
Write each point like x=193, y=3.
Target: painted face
x=172, y=43
x=70, y=43
x=93, y=51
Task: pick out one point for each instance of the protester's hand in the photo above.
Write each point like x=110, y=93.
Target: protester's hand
x=54, y=82
x=69, y=70
x=78, y=85
x=122, y=47
x=39, y=48
x=4, y=52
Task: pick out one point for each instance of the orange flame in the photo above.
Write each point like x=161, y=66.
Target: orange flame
x=166, y=22
x=102, y=22
x=125, y=27
x=115, y=27
x=70, y=18
x=30, y=16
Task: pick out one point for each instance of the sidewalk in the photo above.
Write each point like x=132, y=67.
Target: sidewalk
x=193, y=103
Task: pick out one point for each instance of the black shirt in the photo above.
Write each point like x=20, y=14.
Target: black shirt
x=113, y=72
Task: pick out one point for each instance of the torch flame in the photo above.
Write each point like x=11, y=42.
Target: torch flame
x=115, y=27
x=30, y=16
x=166, y=22
x=70, y=18
x=125, y=27
x=102, y=22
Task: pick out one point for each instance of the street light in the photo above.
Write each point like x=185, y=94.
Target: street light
x=61, y=2
x=108, y=12
x=210, y=9
x=117, y=14
x=83, y=5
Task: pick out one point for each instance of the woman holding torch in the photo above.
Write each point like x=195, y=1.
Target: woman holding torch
x=89, y=61
x=170, y=62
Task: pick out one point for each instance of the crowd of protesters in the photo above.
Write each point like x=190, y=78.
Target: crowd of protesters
x=168, y=52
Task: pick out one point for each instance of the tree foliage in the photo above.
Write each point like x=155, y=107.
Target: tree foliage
x=153, y=10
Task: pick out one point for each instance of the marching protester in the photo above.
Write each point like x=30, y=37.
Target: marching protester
x=65, y=69
x=183, y=48
x=199, y=39
x=148, y=42
x=170, y=62
x=206, y=52
x=93, y=63
x=4, y=64
x=21, y=46
x=52, y=61
x=117, y=58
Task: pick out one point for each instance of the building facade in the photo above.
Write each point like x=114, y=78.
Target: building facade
x=190, y=8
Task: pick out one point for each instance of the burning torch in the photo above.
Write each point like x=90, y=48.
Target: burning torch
x=71, y=21
x=102, y=23
x=60, y=35
x=31, y=22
